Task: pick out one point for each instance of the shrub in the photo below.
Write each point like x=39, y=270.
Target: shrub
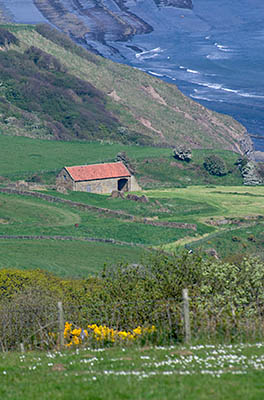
x=215, y=165
x=226, y=298
x=7, y=37
x=183, y=153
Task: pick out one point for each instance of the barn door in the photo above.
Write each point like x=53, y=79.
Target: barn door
x=122, y=185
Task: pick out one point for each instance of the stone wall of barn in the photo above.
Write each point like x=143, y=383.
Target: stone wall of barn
x=63, y=179
x=102, y=185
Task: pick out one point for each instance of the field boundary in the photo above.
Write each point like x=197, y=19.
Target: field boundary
x=71, y=238
x=113, y=213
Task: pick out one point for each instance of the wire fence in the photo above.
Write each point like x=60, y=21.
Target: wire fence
x=104, y=323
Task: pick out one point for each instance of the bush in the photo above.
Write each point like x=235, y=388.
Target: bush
x=7, y=37
x=183, y=153
x=215, y=165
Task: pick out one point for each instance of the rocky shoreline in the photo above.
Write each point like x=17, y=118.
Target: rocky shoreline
x=93, y=21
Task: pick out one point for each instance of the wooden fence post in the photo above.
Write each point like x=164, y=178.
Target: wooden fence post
x=61, y=325
x=186, y=316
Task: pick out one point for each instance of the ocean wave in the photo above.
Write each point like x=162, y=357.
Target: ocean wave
x=156, y=74
x=230, y=90
x=251, y=95
x=215, y=56
x=221, y=47
x=205, y=98
x=149, y=53
x=192, y=71
x=199, y=97
x=216, y=86
x=220, y=87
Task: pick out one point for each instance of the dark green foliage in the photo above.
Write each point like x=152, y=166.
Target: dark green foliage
x=215, y=165
x=44, y=60
x=7, y=37
x=35, y=178
x=241, y=162
x=69, y=107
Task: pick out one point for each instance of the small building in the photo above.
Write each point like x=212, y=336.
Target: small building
x=97, y=178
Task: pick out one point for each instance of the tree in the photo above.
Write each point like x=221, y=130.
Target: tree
x=215, y=165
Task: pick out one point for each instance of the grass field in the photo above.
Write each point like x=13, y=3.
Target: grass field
x=201, y=372
x=241, y=207
x=243, y=240
x=63, y=221
x=23, y=157
x=65, y=258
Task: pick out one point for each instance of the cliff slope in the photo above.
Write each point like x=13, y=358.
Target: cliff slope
x=52, y=88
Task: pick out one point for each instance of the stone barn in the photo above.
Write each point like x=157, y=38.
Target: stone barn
x=97, y=178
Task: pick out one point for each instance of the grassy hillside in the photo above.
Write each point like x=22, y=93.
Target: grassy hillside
x=93, y=98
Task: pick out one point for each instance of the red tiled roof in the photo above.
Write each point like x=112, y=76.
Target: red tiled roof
x=98, y=171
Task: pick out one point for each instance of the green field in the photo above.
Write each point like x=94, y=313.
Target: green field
x=216, y=372
x=239, y=241
x=75, y=259
x=21, y=158
x=242, y=212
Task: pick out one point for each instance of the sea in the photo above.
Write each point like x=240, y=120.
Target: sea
x=213, y=53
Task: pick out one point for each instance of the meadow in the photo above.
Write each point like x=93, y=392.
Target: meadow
x=228, y=219
x=22, y=158
x=195, y=372
x=76, y=259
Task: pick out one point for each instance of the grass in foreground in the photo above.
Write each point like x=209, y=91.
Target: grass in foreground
x=219, y=372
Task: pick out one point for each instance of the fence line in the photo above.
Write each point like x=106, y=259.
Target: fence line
x=24, y=326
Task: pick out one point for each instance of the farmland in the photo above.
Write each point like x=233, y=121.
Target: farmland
x=228, y=219
x=21, y=158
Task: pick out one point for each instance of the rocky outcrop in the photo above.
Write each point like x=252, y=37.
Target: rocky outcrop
x=92, y=21
x=99, y=21
x=246, y=146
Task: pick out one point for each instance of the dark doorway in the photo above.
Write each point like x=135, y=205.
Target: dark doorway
x=122, y=185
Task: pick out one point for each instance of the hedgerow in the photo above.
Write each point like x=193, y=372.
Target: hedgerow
x=226, y=299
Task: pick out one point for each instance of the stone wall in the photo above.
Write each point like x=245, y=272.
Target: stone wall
x=101, y=185
x=102, y=211
x=134, y=185
x=63, y=179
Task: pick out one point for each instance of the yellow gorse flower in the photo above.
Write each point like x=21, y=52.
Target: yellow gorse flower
x=102, y=333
